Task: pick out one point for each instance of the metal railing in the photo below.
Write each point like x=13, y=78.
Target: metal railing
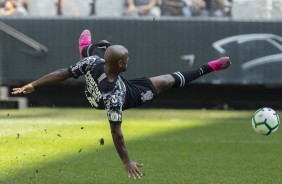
x=38, y=47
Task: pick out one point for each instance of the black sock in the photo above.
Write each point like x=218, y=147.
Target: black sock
x=87, y=51
x=184, y=78
x=95, y=49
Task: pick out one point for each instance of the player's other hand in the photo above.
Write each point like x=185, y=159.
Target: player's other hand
x=29, y=88
x=132, y=169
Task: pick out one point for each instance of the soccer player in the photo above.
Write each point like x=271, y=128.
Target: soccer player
x=102, y=65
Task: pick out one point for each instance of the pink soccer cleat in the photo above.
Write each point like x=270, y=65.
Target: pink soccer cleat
x=84, y=40
x=220, y=64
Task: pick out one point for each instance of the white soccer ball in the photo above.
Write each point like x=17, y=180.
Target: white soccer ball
x=265, y=121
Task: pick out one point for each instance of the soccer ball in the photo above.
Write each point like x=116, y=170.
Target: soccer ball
x=265, y=121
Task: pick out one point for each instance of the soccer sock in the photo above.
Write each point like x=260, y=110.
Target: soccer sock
x=184, y=78
x=87, y=51
x=95, y=49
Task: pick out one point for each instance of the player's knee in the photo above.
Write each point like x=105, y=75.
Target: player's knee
x=162, y=82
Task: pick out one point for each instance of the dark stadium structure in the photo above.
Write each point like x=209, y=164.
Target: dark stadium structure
x=32, y=47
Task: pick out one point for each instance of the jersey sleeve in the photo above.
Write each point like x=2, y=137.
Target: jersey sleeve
x=81, y=67
x=113, y=105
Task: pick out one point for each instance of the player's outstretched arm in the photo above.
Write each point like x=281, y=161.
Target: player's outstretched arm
x=51, y=78
x=131, y=167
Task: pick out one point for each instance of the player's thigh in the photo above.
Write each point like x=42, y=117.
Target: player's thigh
x=162, y=82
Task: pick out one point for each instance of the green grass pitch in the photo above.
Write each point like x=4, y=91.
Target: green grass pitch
x=62, y=146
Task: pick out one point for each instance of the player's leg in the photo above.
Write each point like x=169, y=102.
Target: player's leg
x=180, y=79
x=96, y=49
x=162, y=82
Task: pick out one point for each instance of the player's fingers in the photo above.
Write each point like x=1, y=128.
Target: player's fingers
x=137, y=174
x=139, y=165
x=16, y=91
x=132, y=175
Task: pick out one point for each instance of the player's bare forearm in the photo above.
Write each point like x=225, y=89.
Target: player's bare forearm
x=131, y=167
x=51, y=78
x=118, y=139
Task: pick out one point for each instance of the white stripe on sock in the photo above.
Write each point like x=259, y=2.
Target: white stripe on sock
x=88, y=54
x=201, y=71
x=182, y=79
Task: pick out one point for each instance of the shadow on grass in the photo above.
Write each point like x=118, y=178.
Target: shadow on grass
x=223, y=152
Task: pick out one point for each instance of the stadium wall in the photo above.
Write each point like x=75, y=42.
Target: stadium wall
x=32, y=47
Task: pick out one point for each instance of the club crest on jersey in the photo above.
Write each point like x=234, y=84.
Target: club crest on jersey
x=114, y=116
x=147, y=96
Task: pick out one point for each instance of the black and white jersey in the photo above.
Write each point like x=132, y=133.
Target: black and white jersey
x=113, y=96
x=99, y=91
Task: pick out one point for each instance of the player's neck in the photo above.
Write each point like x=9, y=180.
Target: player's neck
x=111, y=75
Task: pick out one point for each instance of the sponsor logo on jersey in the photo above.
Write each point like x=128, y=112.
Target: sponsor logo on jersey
x=147, y=96
x=92, y=89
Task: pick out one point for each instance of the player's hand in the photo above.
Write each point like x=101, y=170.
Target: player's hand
x=132, y=169
x=29, y=88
